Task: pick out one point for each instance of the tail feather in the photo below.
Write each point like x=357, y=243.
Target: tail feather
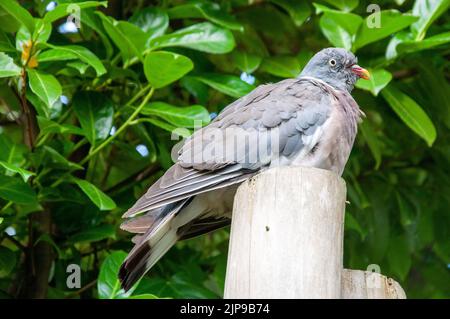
x=144, y=257
x=155, y=242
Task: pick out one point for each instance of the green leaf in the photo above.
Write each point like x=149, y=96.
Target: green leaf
x=40, y=35
x=93, y=21
x=11, y=153
x=344, y=5
x=129, y=38
x=8, y=67
x=228, y=84
x=334, y=32
x=205, y=37
x=65, y=9
x=431, y=42
x=162, y=68
x=352, y=223
x=246, y=62
x=56, y=55
x=350, y=22
x=18, y=14
x=144, y=296
x=108, y=284
x=152, y=20
x=379, y=78
x=81, y=53
x=398, y=256
x=208, y=10
x=95, y=111
x=94, y=234
x=427, y=11
x=298, y=10
x=282, y=66
x=7, y=261
x=410, y=113
x=399, y=37
x=16, y=190
x=47, y=126
x=391, y=22
x=79, y=66
x=167, y=126
x=6, y=44
x=372, y=141
x=188, y=116
x=100, y=199
x=16, y=169
x=45, y=86
x=54, y=159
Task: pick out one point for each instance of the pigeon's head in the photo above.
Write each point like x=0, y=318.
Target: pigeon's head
x=337, y=67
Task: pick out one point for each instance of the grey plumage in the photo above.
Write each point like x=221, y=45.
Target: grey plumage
x=309, y=121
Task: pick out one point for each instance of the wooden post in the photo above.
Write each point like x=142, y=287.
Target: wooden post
x=287, y=235
x=358, y=284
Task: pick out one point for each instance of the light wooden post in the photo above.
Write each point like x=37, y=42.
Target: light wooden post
x=287, y=235
x=358, y=284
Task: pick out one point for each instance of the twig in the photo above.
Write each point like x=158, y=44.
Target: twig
x=81, y=290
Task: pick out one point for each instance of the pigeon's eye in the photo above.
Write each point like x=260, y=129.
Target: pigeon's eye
x=332, y=62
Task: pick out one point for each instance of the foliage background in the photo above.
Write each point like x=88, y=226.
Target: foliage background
x=86, y=116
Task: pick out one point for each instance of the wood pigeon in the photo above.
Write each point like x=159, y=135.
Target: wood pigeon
x=308, y=121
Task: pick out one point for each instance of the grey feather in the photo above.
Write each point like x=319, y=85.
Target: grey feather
x=293, y=122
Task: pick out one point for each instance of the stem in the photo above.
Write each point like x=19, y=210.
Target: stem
x=120, y=129
x=134, y=98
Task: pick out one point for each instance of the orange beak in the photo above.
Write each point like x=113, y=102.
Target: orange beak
x=361, y=72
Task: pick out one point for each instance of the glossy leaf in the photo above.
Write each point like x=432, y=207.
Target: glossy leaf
x=336, y=34
x=153, y=21
x=11, y=168
x=45, y=86
x=427, y=11
x=6, y=44
x=53, y=159
x=17, y=13
x=162, y=68
x=246, y=62
x=187, y=116
x=100, y=199
x=344, y=5
x=129, y=38
x=81, y=53
x=298, y=10
x=167, y=127
x=94, y=234
x=12, y=153
x=7, y=66
x=282, y=66
x=47, y=126
x=379, y=78
x=95, y=112
x=108, y=284
x=227, y=84
x=428, y=43
x=205, y=37
x=16, y=190
x=411, y=113
x=65, y=9
x=208, y=10
x=391, y=22
x=350, y=22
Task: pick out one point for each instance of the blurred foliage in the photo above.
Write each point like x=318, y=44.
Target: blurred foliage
x=86, y=115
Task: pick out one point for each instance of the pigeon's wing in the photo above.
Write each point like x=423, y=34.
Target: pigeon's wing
x=275, y=122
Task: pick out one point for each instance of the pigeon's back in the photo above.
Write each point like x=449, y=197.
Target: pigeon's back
x=301, y=121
